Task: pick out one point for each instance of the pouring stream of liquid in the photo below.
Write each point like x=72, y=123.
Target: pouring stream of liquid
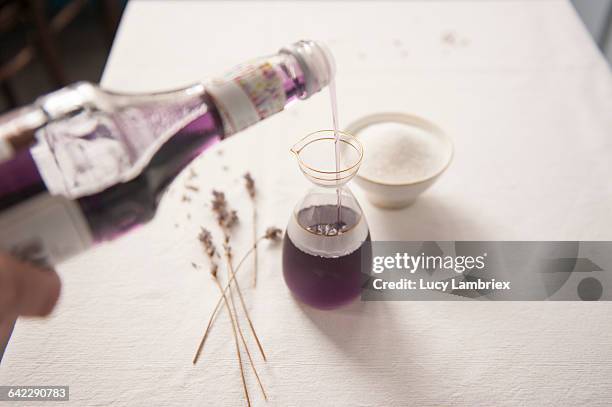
x=334, y=106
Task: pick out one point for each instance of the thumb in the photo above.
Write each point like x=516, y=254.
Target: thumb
x=26, y=289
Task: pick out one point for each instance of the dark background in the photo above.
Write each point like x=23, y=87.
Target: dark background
x=46, y=44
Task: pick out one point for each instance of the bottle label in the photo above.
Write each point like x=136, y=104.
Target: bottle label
x=91, y=151
x=248, y=94
x=44, y=230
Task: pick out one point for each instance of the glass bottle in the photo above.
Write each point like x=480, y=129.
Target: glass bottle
x=83, y=164
x=326, y=240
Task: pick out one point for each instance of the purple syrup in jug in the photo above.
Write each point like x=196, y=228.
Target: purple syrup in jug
x=317, y=280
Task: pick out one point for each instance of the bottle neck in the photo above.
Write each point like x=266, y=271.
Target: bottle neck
x=256, y=90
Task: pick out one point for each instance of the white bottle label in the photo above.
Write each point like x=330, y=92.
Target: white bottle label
x=247, y=95
x=45, y=230
x=91, y=151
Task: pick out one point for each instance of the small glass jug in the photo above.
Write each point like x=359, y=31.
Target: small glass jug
x=324, y=247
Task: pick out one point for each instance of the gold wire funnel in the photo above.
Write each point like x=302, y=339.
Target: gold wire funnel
x=316, y=155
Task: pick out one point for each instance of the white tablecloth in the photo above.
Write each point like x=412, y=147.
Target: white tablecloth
x=527, y=98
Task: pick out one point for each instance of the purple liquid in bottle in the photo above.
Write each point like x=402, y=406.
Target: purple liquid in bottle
x=124, y=206
x=121, y=207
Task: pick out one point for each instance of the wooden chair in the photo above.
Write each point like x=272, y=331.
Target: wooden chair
x=41, y=32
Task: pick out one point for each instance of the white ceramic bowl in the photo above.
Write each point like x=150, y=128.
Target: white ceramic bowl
x=401, y=194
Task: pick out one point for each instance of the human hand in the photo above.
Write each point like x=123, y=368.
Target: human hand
x=25, y=290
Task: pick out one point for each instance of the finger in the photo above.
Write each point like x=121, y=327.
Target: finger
x=26, y=289
x=6, y=328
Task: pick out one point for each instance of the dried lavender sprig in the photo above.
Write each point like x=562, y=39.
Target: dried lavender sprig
x=250, y=184
x=231, y=275
x=226, y=218
x=246, y=346
x=232, y=278
x=273, y=234
x=226, y=222
x=206, y=238
x=214, y=313
x=250, y=187
x=233, y=322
